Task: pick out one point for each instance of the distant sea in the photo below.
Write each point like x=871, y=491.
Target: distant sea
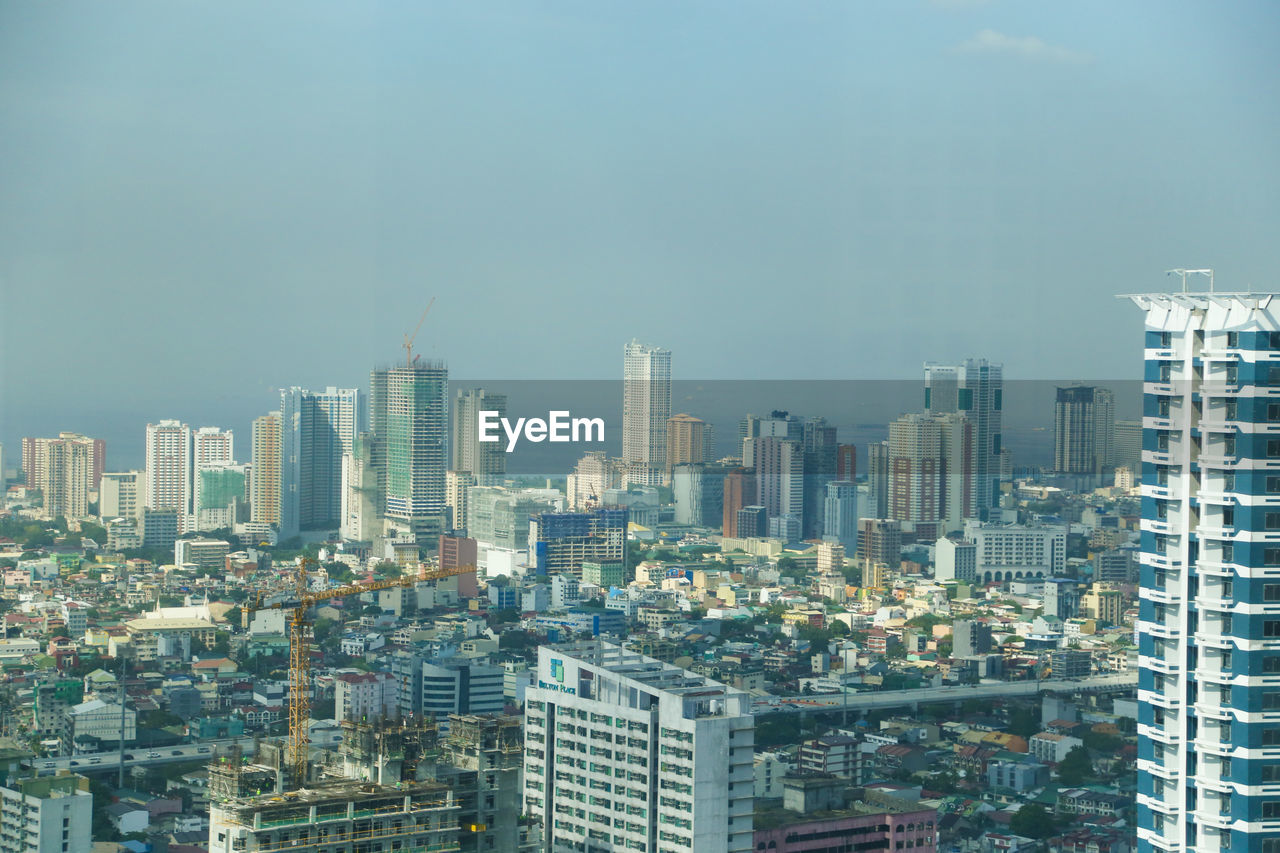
x=859, y=409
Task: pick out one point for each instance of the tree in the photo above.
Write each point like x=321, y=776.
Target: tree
x=1023, y=722
x=787, y=565
x=1032, y=821
x=1076, y=767
x=387, y=569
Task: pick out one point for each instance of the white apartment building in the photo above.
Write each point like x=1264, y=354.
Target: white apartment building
x=50, y=814
x=646, y=408
x=363, y=696
x=624, y=752
x=121, y=494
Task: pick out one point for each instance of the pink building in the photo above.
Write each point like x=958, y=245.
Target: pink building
x=883, y=831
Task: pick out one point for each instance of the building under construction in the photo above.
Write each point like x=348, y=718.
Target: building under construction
x=438, y=791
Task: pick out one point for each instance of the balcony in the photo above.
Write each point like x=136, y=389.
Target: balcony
x=1158, y=422
x=1162, y=389
x=1218, y=459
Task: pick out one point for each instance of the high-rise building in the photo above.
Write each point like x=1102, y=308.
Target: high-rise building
x=122, y=494
x=840, y=511
x=877, y=480
x=846, y=462
x=820, y=463
x=751, y=521
x=778, y=424
x=739, y=491
x=970, y=637
x=264, y=488
x=1083, y=430
x=974, y=388
x=317, y=429
x=679, y=759
x=410, y=415
x=594, y=474
x=360, y=499
x=779, y=475
x=50, y=814
x=1126, y=449
x=880, y=541
x=223, y=495
x=686, y=440
x=646, y=407
x=698, y=491
x=65, y=469
x=1208, y=706
x=169, y=470
x=485, y=460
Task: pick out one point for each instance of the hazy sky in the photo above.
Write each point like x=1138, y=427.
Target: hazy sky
x=202, y=202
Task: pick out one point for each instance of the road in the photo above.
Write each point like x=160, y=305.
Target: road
x=872, y=700
x=203, y=750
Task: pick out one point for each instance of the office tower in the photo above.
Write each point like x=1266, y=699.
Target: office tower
x=739, y=491
x=64, y=469
x=499, y=518
x=820, y=451
x=880, y=541
x=560, y=541
x=840, y=514
x=831, y=557
x=646, y=407
x=974, y=388
x=698, y=490
x=121, y=494
x=316, y=429
x=458, y=552
x=785, y=527
x=931, y=485
x=752, y=521
x=970, y=637
x=778, y=424
x=1083, y=430
x=846, y=462
x=679, y=758
x=1208, y=731
x=779, y=475
x=169, y=470
x=594, y=473
x=485, y=460
x=1126, y=449
x=264, y=488
x=685, y=440
x=410, y=414
x=877, y=480
x=53, y=814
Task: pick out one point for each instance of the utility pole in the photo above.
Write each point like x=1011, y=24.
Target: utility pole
x=124, y=664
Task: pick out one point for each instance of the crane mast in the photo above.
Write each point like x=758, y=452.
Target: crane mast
x=300, y=599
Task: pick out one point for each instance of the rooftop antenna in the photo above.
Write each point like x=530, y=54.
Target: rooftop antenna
x=409, y=357
x=1184, y=273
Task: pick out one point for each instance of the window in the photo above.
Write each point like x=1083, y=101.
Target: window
x=1226, y=661
x=1271, y=773
x=1271, y=736
x=1271, y=700
x=1273, y=447
x=1273, y=484
x=1271, y=664
x=1226, y=623
x=1271, y=592
x=1271, y=556
x=1271, y=810
x=1271, y=628
x=1233, y=340
x=1228, y=516
x=1228, y=590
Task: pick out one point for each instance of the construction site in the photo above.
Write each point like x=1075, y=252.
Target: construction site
x=394, y=785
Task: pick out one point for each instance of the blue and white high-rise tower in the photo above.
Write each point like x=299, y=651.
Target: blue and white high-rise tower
x=1209, y=630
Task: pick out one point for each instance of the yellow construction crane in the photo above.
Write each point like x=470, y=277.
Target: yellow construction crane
x=297, y=600
x=409, y=357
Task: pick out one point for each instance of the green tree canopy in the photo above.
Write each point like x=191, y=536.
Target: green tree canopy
x=1032, y=821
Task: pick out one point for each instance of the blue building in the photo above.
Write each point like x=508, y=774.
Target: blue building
x=1209, y=630
x=583, y=620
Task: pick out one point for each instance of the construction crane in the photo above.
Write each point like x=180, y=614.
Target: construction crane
x=409, y=357
x=297, y=599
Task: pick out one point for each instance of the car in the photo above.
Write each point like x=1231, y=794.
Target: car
x=95, y=760
x=176, y=752
x=153, y=755
x=203, y=749
x=75, y=763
